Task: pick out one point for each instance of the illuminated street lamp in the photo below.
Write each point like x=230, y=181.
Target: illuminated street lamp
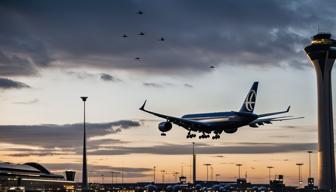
x=300, y=179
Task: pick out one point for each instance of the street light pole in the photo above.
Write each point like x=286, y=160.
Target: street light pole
x=207, y=170
x=269, y=172
x=300, y=180
x=239, y=165
x=211, y=173
x=217, y=175
x=154, y=170
x=309, y=153
x=163, y=175
x=84, y=170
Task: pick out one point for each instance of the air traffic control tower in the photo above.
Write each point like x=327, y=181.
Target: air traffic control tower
x=322, y=53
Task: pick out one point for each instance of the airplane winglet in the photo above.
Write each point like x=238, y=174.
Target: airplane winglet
x=288, y=108
x=143, y=106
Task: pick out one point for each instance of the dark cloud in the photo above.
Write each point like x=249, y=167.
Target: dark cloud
x=188, y=85
x=108, y=77
x=63, y=34
x=51, y=136
x=239, y=148
x=11, y=84
x=80, y=75
x=97, y=170
x=15, y=65
x=154, y=85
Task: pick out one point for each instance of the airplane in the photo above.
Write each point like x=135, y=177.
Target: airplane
x=219, y=122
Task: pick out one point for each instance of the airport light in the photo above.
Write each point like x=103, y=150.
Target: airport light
x=207, y=170
x=211, y=173
x=112, y=177
x=175, y=175
x=84, y=170
x=269, y=172
x=217, y=175
x=154, y=171
x=300, y=179
x=194, y=163
x=122, y=175
x=239, y=165
x=309, y=153
x=163, y=175
x=181, y=169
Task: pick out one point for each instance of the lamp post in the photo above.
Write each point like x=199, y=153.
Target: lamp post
x=239, y=165
x=154, y=170
x=269, y=172
x=211, y=173
x=163, y=175
x=300, y=180
x=84, y=170
x=112, y=176
x=194, y=163
x=309, y=153
x=217, y=175
x=102, y=175
x=207, y=170
x=175, y=175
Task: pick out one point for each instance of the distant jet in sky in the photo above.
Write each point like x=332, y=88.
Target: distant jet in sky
x=162, y=39
x=137, y=58
x=212, y=67
x=140, y=12
x=219, y=122
x=141, y=33
x=124, y=36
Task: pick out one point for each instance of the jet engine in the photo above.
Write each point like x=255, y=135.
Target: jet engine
x=232, y=130
x=165, y=126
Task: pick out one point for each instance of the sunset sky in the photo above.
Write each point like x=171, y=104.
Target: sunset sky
x=53, y=52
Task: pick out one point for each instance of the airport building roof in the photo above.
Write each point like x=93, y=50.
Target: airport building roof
x=28, y=169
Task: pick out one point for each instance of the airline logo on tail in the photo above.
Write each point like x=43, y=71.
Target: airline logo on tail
x=250, y=100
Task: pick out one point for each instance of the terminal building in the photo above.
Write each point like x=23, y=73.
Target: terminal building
x=33, y=177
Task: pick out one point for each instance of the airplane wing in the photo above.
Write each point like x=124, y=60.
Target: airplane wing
x=187, y=124
x=263, y=121
x=274, y=113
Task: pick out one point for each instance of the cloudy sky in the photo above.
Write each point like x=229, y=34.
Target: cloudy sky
x=53, y=52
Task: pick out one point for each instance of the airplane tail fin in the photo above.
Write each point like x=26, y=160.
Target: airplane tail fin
x=250, y=100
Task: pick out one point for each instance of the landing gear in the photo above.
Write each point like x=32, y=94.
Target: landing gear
x=204, y=136
x=216, y=137
x=163, y=134
x=191, y=135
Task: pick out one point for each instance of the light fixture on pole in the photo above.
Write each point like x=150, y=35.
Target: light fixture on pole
x=163, y=175
x=239, y=165
x=84, y=170
x=217, y=175
x=300, y=179
x=154, y=171
x=269, y=172
x=207, y=171
x=309, y=153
